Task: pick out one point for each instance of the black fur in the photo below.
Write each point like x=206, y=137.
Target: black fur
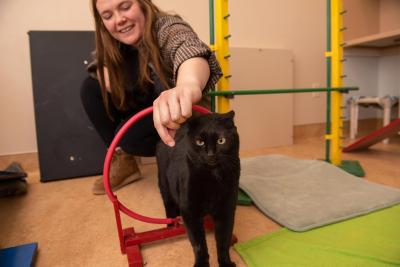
x=197, y=179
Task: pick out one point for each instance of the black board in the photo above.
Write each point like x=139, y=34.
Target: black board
x=68, y=145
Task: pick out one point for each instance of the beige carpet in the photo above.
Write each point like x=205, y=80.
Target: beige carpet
x=75, y=228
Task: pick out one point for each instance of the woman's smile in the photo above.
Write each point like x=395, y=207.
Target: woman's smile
x=123, y=19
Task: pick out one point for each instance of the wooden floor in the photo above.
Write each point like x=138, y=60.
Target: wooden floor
x=75, y=228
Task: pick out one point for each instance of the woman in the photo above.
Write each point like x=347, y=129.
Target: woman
x=143, y=57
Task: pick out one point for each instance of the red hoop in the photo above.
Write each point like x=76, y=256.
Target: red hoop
x=107, y=163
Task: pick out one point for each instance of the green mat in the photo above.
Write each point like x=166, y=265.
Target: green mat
x=243, y=199
x=371, y=240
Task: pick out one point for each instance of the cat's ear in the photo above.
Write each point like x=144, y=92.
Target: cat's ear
x=192, y=122
x=227, y=118
x=229, y=115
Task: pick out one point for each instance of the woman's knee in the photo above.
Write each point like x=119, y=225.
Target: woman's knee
x=141, y=138
x=143, y=148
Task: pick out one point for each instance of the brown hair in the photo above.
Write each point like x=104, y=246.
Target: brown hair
x=108, y=53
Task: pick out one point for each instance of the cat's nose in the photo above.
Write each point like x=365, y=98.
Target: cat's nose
x=211, y=160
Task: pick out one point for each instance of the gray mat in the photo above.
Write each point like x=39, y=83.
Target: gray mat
x=304, y=194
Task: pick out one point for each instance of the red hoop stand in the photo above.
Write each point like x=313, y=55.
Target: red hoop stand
x=130, y=241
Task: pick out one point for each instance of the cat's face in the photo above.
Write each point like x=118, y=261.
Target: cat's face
x=214, y=138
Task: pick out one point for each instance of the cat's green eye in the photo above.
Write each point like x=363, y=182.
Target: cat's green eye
x=199, y=142
x=221, y=141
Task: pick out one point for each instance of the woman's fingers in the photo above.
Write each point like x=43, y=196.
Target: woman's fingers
x=172, y=108
x=161, y=129
x=185, y=104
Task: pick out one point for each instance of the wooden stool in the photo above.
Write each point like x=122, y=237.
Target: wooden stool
x=386, y=103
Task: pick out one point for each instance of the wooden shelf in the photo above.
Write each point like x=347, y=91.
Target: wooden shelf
x=379, y=40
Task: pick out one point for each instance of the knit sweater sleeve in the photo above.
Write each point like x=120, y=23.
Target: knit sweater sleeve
x=178, y=42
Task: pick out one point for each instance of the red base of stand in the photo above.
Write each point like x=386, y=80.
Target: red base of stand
x=134, y=240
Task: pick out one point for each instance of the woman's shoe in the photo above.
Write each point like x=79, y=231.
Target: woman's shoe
x=124, y=170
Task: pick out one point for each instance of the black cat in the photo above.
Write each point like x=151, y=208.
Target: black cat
x=200, y=176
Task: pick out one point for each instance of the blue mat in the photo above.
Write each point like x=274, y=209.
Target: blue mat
x=19, y=256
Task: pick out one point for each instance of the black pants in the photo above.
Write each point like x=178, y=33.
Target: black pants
x=139, y=140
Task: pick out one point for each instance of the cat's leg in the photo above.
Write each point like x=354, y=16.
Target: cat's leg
x=195, y=230
x=224, y=221
x=171, y=208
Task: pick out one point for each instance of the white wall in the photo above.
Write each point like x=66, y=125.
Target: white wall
x=389, y=75
x=299, y=26
x=296, y=25
x=17, y=17
x=362, y=71
x=375, y=72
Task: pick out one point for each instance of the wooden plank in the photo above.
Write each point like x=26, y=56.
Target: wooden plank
x=379, y=40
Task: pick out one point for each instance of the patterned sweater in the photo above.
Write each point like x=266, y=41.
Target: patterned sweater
x=178, y=42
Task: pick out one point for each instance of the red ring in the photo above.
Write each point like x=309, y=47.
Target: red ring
x=107, y=163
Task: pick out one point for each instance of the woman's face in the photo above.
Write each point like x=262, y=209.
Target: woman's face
x=123, y=19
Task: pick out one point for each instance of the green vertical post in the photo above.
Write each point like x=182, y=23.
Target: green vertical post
x=211, y=16
x=328, y=82
x=212, y=42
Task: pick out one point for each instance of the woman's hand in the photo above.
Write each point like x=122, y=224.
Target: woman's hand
x=172, y=108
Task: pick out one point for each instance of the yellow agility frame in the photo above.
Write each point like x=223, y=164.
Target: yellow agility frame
x=334, y=135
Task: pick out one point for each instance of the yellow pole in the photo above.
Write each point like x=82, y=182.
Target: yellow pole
x=337, y=76
x=222, y=48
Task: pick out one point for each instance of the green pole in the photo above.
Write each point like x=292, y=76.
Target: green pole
x=212, y=42
x=328, y=81
x=280, y=91
x=211, y=15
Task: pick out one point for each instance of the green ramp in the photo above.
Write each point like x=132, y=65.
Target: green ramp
x=371, y=240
